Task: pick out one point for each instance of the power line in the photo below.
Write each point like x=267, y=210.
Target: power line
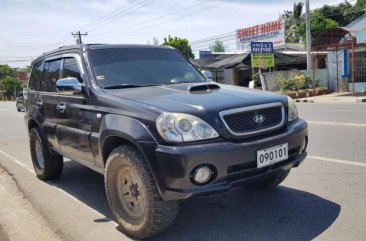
x=118, y=15
x=154, y=25
x=104, y=17
x=155, y=19
x=225, y=35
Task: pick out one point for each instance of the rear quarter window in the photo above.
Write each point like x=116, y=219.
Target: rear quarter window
x=36, y=76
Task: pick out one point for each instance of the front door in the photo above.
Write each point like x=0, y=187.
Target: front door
x=74, y=127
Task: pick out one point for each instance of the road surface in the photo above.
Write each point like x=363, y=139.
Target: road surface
x=323, y=199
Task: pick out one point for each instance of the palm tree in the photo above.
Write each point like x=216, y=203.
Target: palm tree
x=292, y=21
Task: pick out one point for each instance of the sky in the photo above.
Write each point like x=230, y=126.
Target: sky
x=32, y=27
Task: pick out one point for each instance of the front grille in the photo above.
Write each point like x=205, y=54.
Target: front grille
x=242, y=121
x=249, y=169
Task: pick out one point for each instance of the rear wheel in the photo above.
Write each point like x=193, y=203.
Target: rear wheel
x=133, y=196
x=46, y=164
x=270, y=182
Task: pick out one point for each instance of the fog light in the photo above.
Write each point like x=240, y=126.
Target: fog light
x=202, y=174
x=304, y=144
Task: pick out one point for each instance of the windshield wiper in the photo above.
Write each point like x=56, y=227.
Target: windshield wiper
x=122, y=86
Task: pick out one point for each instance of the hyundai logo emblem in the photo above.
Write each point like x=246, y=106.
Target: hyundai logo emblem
x=259, y=119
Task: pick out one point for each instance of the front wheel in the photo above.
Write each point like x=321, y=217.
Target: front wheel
x=270, y=182
x=133, y=196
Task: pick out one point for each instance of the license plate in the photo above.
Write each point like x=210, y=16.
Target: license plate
x=272, y=155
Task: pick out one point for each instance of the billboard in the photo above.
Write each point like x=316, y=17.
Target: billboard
x=262, y=54
x=268, y=32
x=205, y=54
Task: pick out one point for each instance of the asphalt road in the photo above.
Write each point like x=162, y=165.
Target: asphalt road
x=323, y=199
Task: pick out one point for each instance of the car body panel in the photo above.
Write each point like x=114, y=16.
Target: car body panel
x=93, y=116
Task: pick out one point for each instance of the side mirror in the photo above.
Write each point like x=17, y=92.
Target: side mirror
x=69, y=84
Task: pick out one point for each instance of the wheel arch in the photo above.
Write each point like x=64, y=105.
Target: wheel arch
x=119, y=130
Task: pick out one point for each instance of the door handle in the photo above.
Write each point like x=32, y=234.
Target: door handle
x=39, y=103
x=61, y=107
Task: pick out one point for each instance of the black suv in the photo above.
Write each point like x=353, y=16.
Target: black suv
x=159, y=132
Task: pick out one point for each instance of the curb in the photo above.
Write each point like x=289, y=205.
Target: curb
x=305, y=101
x=19, y=220
x=361, y=100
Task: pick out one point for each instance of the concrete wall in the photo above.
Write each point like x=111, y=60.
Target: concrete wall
x=320, y=74
x=359, y=87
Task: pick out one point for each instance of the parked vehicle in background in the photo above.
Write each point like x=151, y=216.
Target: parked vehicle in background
x=207, y=74
x=19, y=103
x=159, y=132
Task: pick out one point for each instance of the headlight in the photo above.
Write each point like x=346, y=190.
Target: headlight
x=180, y=127
x=292, y=110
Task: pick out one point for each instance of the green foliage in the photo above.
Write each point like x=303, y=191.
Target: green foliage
x=284, y=83
x=8, y=85
x=5, y=70
x=299, y=81
x=292, y=21
x=343, y=13
x=217, y=46
x=181, y=44
x=318, y=24
x=326, y=17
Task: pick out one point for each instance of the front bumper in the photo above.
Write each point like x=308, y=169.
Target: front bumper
x=235, y=163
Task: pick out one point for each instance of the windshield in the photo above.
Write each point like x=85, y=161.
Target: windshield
x=136, y=67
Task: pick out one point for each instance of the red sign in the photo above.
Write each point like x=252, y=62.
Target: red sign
x=260, y=29
x=268, y=32
x=22, y=76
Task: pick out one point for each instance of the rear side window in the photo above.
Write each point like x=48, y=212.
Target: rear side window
x=51, y=74
x=71, y=69
x=36, y=76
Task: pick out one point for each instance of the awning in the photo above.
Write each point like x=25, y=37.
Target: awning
x=234, y=61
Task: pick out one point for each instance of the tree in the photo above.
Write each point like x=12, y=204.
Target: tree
x=292, y=21
x=8, y=84
x=181, y=44
x=217, y=46
x=343, y=13
x=5, y=70
x=155, y=41
x=318, y=24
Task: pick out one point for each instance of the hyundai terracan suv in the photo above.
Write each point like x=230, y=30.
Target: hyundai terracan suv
x=159, y=132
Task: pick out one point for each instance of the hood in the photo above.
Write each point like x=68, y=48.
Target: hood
x=191, y=98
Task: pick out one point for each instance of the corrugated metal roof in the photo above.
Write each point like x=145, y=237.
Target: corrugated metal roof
x=357, y=25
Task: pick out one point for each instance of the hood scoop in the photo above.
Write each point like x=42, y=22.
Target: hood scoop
x=203, y=87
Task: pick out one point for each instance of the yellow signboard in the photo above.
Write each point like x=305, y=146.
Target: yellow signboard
x=262, y=60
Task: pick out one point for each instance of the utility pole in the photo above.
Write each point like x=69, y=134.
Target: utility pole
x=308, y=36
x=15, y=79
x=78, y=36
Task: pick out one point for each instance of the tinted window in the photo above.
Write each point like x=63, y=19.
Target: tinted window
x=51, y=75
x=71, y=69
x=44, y=74
x=20, y=94
x=142, y=66
x=36, y=76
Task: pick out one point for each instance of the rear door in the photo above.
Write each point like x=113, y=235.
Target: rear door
x=48, y=99
x=33, y=87
x=74, y=123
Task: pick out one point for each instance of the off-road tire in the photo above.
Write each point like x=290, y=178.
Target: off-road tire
x=157, y=216
x=270, y=182
x=52, y=163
